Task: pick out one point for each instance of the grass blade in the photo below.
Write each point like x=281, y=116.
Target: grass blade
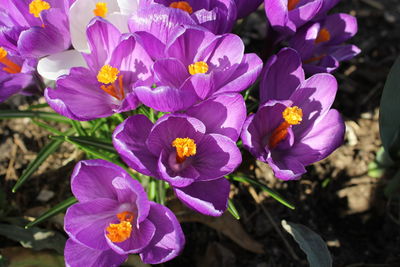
x=60, y=207
x=232, y=209
x=12, y=114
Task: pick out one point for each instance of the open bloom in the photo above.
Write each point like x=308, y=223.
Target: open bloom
x=218, y=16
x=295, y=126
x=196, y=65
x=35, y=28
x=286, y=16
x=190, y=152
x=320, y=44
x=114, y=218
x=106, y=84
x=15, y=73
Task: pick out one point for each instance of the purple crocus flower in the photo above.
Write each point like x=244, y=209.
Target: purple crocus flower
x=320, y=44
x=197, y=65
x=114, y=218
x=286, y=16
x=245, y=7
x=105, y=85
x=15, y=73
x=192, y=152
x=35, y=28
x=218, y=16
x=294, y=127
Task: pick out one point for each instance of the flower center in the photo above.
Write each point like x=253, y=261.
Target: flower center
x=108, y=76
x=119, y=232
x=292, y=116
x=185, y=147
x=37, y=6
x=183, y=5
x=9, y=66
x=292, y=4
x=101, y=9
x=198, y=67
x=323, y=36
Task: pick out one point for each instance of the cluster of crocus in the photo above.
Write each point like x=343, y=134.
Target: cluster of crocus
x=179, y=58
x=318, y=37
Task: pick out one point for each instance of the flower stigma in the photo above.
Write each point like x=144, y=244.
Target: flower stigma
x=37, y=6
x=185, y=147
x=101, y=9
x=183, y=5
x=108, y=75
x=198, y=67
x=119, y=232
x=292, y=4
x=292, y=116
x=323, y=36
x=9, y=66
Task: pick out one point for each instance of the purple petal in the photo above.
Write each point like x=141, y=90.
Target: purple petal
x=77, y=255
x=326, y=65
x=222, y=114
x=86, y=222
x=341, y=27
x=278, y=16
x=283, y=74
x=168, y=240
x=170, y=72
x=246, y=7
x=304, y=13
x=129, y=139
x=286, y=167
x=344, y=52
x=209, y=198
x=11, y=84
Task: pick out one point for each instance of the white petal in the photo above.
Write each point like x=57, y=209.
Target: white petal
x=55, y=65
x=128, y=7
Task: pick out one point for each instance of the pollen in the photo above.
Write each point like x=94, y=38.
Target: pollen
x=323, y=36
x=198, y=67
x=183, y=5
x=37, y=6
x=119, y=232
x=185, y=147
x=9, y=66
x=101, y=9
x=292, y=4
x=293, y=115
x=107, y=74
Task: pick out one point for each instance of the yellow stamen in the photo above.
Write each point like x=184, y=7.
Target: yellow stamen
x=198, y=67
x=37, y=6
x=185, y=147
x=183, y=5
x=10, y=66
x=101, y=9
x=119, y=232
x=292, y=116
x=292, y=4
x=323, y=36
x=108, y=75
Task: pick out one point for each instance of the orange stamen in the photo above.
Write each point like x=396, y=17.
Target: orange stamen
x=292, y=116
x=292, y=4
x=185, y=147
x=119, y=232
x=108, y=76
x=101, y=9
x=10, y=66
x=323, y=36
x=183, y=5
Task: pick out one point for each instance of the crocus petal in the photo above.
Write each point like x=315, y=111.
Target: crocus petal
x=326, y=65
x=77, y=255
x=216, y=156
x=12, y=84
x=344, y=52
x=304, y=13
x=322, y=140
x=278, y=17
x=341, y=27
x=245, y=7
x=209, y=198
x=86, y=222
x=170, y=72
x=285, y=167
x=283, y=74
x=53, y=66
x=223, y=114
x=168, y=240
x=129, y=139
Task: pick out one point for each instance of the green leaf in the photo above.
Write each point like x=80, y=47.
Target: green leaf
x=34, y=238
x=90, y=141
x=12, y=114
x=232, y=209
x=389, y=121
x=47, y=150
x=60, y=207
x=38, y=106
x=78, y=127
x=311, y=243
x=265, y=188
x=47, y=127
